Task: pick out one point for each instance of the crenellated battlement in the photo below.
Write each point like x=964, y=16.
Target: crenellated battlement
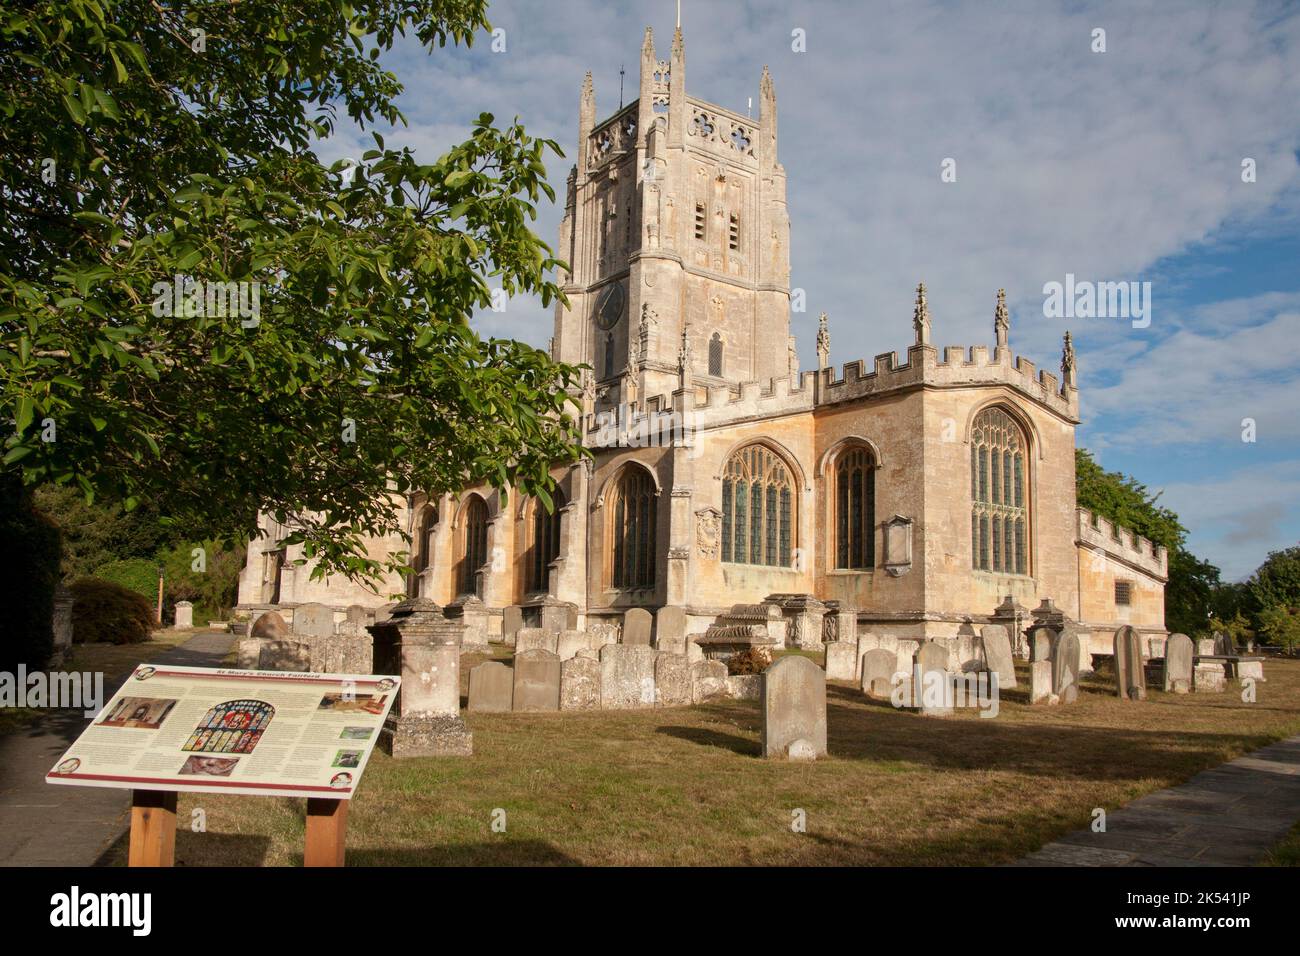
x=959, y=366
x=1101, y=535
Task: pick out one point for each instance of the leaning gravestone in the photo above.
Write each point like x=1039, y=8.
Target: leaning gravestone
x=842, y=660
x=670, y=629
x=270, y=626
x=1178, y=664
x=536, y=639
x=636, y=626
x=931, y=683
x=313, y=620
x=1224, y=646
x=708, y=680
x=1065, y=667
x=627, y=676
x=491, y=687
x=794, y=708
x=672, y=680
x=878, y=668
x=580, y=684
x=1130, y=678
x=997, y=654
x=537, y=681
x=512, y=619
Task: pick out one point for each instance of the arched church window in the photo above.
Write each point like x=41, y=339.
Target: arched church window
x=757, y=508
x=715, y=354
x=545, y=544
x=854, y=509
x=632, y=517
x=423, y=539
x=999, y=494
x=473, y=546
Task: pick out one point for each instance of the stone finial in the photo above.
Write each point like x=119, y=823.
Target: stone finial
x=648, y=44
x=766, y=88
x=1067, y=362
x=588, y=97
x=921, y=317
x=679, y=47
x=1001, y=320
x=684, y=357
x=823, y=342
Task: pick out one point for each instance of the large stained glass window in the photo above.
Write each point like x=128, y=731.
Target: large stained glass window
x=473, y=546
x=854, y=507
x=999, y=494
x=545, y=545
x=632, y=517
x=757, y=508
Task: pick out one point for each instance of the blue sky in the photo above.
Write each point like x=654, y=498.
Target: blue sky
x=1114, y=166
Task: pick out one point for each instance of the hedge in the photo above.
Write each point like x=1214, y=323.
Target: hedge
x=105, y=611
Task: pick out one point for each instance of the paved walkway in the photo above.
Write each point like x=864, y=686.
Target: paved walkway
x=1229, y=816
x=44, y=825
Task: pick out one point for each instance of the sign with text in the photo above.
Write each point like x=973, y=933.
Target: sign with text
x=210, y=730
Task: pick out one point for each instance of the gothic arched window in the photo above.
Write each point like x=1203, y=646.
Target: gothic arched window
x=473, y=546
x=854, y=509
x=632, y=516
x=757, y=508
x=715, y=354
x=544, y=546
x=422, y=546
x=999, y=522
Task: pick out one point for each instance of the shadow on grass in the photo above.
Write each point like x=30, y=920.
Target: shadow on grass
x=502, y=852
x=213, y=849
x=711, y=738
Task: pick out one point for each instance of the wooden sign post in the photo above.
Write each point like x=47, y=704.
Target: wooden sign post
x=153, y=828
x=327, y=832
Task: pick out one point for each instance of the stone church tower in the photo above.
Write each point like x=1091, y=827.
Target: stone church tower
x=676, y=229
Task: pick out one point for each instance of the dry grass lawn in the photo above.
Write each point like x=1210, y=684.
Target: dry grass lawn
x=684, y=785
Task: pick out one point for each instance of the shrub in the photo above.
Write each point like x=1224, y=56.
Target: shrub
x=27, y=587
x=105, y=611
x=753, y=660
x=135, y=574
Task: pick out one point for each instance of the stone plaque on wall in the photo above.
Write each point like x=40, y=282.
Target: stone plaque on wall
x=898, y=545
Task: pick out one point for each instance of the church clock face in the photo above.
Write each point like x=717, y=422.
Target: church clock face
x=609, y=307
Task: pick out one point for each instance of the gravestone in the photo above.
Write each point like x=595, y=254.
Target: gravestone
x=358, y=614
x=536, y=639
x=1209, y=677
x=708, y=680
x=286, y=655
x=670, y=629
x=537, y=681
x=1040, y=681
x=247, y=652
x=491, y=688
x=568, y=643
x=1041, y=640
x=184, y=614
x=270, y=626
x=1205, y=647
x=473, y=613
x=512, y=619
x=636, y=626
x=627, y=676
x=1224, y=646
x=1065, y=667
x=580, y=684
x=1178, y=664
x=842, y=660
x=794, y=707
x=555, y=615
x=1130, y=678
x=931, y=683
x=997, y=654
x=878, y=668
x=801, y=750
x=672, y=680
x=313, y=620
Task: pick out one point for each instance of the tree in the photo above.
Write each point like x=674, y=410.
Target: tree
x=1192, y=591
x=197, y=314
x=1276, y=582
x=100, y=532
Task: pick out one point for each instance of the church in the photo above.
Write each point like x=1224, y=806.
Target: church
x=920, y=495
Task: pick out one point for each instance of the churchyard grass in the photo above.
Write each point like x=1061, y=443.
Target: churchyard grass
x=685, y=785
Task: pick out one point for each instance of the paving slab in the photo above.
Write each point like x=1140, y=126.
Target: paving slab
x=43, y=825
x=1231, y=815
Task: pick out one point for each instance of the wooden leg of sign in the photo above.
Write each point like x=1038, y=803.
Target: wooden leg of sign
x=327, y=832
x=153, y=828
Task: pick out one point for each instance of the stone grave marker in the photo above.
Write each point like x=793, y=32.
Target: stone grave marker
x=313, y=620
x=672, y=680
x=537, y=681
x=842, y=660
x=627, y=676
x=580, y=684
x=1130, y=678
x=491, y=688
x=997, y=654
x=932, y=688
x=670, y=629
x=1178, y=664
x=636, y=626
x=270, y=626
x=1065, y=667
x=878, y=668
x=794, y=709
